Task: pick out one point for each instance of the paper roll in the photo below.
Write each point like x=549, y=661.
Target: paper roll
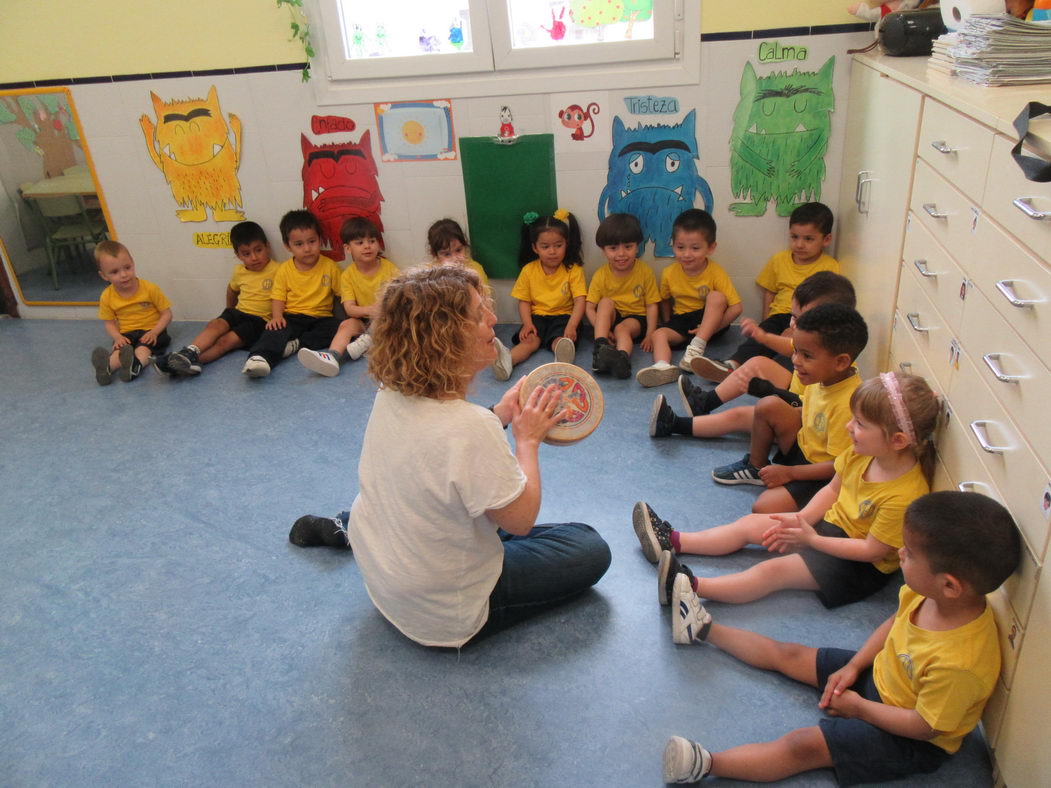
x=955, y=11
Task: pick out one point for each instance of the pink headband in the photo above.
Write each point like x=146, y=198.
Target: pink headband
x=897, y=404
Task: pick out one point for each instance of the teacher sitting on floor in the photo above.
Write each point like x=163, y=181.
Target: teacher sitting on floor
x=443, y=527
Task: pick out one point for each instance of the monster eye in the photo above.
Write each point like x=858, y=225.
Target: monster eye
x=767, y=107
x=672, y=162
x=636, y=164
x=799, y=105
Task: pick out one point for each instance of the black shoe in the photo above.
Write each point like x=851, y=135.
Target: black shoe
x=162, y=364
x=698, y=401
x=667, y=568
x=185, y=362
x=654, y=533
x=759, y=388
x=620, y=363
x=130, y=366
x=100, y=361
x=313, y=531
x=662, y=418
x=599, y=362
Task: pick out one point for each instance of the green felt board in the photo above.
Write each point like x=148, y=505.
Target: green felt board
x=502, y=183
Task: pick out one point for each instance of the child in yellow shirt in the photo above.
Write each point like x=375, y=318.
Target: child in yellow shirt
x=134, y=312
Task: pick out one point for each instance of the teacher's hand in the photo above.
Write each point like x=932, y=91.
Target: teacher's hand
x=506, y=408
x=540, y=413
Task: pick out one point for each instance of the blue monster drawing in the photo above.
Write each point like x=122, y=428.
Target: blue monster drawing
x=653, y=175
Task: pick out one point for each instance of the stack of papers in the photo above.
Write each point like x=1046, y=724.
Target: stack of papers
x=995, y=49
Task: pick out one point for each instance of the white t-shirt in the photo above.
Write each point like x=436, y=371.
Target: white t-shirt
x=429, y=470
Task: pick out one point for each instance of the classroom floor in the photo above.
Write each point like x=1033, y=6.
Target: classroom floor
x=158, y=628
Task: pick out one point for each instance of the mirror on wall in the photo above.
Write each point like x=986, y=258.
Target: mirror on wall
x=52, y=211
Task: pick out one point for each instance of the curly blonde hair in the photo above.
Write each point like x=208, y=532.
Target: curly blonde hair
x=423, y=336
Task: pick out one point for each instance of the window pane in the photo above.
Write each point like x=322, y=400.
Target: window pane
x=405, y=28
x=552, y=23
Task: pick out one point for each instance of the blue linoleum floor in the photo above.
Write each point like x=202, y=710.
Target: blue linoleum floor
x=159, y=629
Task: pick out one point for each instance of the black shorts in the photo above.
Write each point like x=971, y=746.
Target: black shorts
x=247, y=327
x=683, y=324
x=785, y=361
x=641, y=318
x=163, y=340
x=861, y=752
x=548, y=328
x=840, y=581
x=801, y=490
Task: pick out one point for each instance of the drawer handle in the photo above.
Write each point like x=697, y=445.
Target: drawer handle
x=941, y=147
x=914, y=321
x=992, y=360
x=1006, y=288
x=857, y=187
x=863, y=203
x=972, y=487
x=978, y=428
x=906, y=367
x=932, y=210
x=1023, y=204
x=921, y=266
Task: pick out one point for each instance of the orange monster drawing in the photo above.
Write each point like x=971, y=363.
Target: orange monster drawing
x=191, y=145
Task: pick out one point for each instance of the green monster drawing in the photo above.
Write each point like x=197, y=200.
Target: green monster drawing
x=780, y=135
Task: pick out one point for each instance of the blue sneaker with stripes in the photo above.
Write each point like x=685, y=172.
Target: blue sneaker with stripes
x=740, y=472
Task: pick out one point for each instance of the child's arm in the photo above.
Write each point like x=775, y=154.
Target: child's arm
x=768, y=299
x=150, y=337
x=793, y=532
x=277, y=315
x=591, y=310
x=574, y=319
x=651, y=326
x=776, y=342
x=350, y=306
x=231, y=298
x=665, y=309
x=119, y=340
x=779, y=475
x=845, y=677
x=525, y=314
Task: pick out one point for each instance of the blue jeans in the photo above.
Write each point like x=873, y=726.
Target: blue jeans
x=547, y=566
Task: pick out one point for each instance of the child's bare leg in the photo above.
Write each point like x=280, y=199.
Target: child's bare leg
x=211, y=334
x=776, y=574
x=724, y=539
x=736, y=383
x=605, y=312
x=220, y=347
x=662, y=342
x=715, y=424
x=776, y=499
x=790, y=659
x=775, y=422
x=715, y=317
x=625, y=332
x=114, y=361
x=143, y=353
x=348, y=329
x=524, y=349
x=797, y=751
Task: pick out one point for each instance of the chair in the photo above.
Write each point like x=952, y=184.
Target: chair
x=67, y=226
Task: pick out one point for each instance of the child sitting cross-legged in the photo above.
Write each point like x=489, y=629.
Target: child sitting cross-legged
x=901, y=704
x=844, y=542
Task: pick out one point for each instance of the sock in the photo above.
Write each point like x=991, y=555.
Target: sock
x=601, y=341
x=662, y=365
x=194, y=348
x=695, y=582
x=676, y=544
x=700, y=344
x=711, y=401
x=683, y=425
x=313, y=531
x=758, y=387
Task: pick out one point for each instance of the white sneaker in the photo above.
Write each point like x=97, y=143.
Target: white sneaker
x=657, y=375
x=685, y=761
x=565, y=351
x=291, y=346
x=693, y=351
x=319, y=361
x=359, y=347
x=710, y=369
x=256, y=367
x=689, y=620
x=502, y=366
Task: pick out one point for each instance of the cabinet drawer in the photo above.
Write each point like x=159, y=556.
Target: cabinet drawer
x=993, y=716
x=1011, y=632
x=905, y=356
x=955, y=146
x=936, y=273
x=1004, y=270
x=1000, y=353
x=927, y=329
x=947, y=213
x=1005, y=184
x=1013, y=468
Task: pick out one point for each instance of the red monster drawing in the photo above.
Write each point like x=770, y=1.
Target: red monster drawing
x=557, y=31
x=575, y=116
x=339, y=181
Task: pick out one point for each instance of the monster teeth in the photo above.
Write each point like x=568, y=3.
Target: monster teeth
x=320, y=189
x=313, y=194
x=678, y=190
x=753, y=130
x=625, y=193
x=216, y=148
x=167, y=151
x=800, y=127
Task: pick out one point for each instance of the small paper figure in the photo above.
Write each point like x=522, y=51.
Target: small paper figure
x=507, y=128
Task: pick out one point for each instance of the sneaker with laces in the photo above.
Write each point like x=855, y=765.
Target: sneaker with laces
x=710, y=369
x=662, y=418
x=162, y=366
x=619, y=362
x=130, y=366
x=689, y=620
x=565, y=350
x=185, y=362
x=503, y=365
x=359, y=347
x=685, y=761
x=311, y=530
x=668, y=568
x=654, y=533
x=692, y=352
x=740, y=472
x=256, y=367
x=291, y=346
x=691, y=396
x=657, y=375
x=100, y=361
x=601, y=357
x=323, y=362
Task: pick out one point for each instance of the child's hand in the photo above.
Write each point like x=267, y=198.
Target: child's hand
x=838, y=683
x=507, y=408
x=526, y=332
x=750, y=328
x=120, y=342
x=570, y=334
x=149, y=338
x=275, y=323
x=540, y=413
x=844, y=705
x=775, y=475
x=791, y=532
x=647, y=343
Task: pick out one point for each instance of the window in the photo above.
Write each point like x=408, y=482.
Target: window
x=408, y=49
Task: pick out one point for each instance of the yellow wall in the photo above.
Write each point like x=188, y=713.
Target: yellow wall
x=74, y=38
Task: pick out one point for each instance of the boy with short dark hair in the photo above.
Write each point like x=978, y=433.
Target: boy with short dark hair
x=901, y=704
x=305, y=285
x=247, y=305
x=809, y=234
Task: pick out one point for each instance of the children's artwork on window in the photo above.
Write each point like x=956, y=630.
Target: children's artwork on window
x=653, y=175
x=406, y=28
x=191, y=145
x=416, y=130
x=543, y=23
x=780, y=135
x=339, y=181
x=45, y=127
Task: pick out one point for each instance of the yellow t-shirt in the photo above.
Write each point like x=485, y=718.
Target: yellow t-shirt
x=946, y=676
x=254, y=288
x=550, y=295
x=474, y=265
x=363, y=290
x=781, y=276
x=795, y=386
x=690, y=293
x=631, y=293
x=826, y=411
x=876, y=508
x=140, y=312
x=307, y=292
